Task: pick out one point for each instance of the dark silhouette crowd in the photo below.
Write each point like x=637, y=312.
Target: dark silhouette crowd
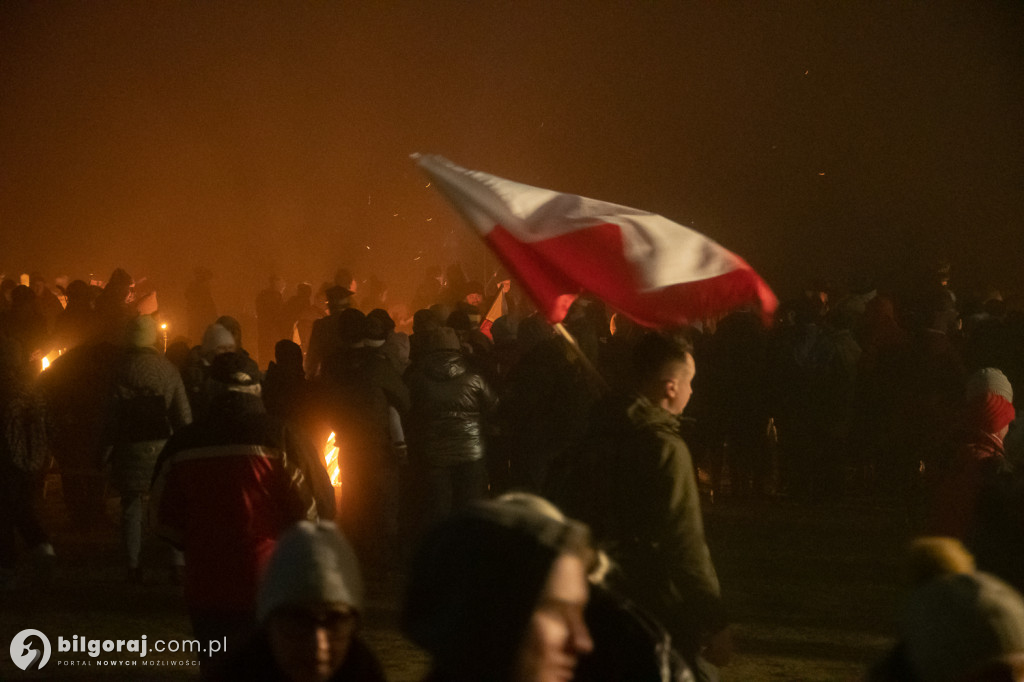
x=542, y=486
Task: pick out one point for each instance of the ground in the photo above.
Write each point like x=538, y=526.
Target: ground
x=813, y=594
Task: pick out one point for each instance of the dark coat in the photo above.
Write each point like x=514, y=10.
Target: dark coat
x=449, y=405
x=148, y=404
x=361, y=385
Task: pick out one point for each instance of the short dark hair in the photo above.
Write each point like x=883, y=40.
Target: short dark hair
x=653, y=352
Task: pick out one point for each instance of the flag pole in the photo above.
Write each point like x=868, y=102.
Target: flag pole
x=597, y=381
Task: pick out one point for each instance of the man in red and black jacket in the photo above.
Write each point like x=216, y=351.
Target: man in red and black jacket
x=225, y=488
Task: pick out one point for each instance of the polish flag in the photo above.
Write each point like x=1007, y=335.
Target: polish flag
x=498, y=309
x=657, y=272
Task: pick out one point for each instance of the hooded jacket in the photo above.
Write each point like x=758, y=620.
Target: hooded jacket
x=449, y=405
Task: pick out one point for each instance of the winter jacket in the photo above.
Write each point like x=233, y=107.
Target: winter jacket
x=361, y=384
x=449, y=405
x=976, y=467
x=225, y=488
x=148, y=403
x=633, y=481
x=980, y=500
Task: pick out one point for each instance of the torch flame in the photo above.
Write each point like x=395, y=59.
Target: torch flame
x=331, y=461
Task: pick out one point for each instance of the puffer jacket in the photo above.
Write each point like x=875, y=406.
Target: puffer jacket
x=148, y=404
x=450, y=403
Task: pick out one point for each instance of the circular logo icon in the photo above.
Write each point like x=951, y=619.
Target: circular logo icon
x=30, y=650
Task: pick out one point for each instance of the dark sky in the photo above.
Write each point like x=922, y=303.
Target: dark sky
x=813, y=138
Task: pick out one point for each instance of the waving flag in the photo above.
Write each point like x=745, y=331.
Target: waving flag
x=657, y=272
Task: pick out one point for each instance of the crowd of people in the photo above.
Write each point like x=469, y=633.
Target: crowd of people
x=541, y=486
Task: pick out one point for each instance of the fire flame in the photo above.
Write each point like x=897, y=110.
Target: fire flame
x=331, y=461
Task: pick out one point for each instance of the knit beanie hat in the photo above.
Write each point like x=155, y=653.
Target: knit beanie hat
x=233, y=326
x=956, y=623
x=988, y=380
x=313, y=563
x=989, y=400
x=216, y=337
x=475, y=582
x=142, y=332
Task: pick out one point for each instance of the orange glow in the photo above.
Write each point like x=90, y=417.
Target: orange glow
x=331, y=461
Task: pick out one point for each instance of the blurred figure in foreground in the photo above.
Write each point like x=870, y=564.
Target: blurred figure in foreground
x=628, y=643
x=497, y=593
x=958, y=625
x=309, y=604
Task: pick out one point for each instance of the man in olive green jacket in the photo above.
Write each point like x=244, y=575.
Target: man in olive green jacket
x=638, y=491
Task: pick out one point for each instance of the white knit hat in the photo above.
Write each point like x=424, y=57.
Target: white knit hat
x=988, y=380
x=312, y=564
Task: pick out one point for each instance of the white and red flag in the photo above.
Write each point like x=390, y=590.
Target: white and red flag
x=657, y=272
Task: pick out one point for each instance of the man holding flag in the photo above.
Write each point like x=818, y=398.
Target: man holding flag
x=635, y=481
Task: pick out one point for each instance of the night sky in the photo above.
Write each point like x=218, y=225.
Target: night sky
x=812, y=138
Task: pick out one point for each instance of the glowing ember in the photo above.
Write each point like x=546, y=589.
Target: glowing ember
x=46, y=363
x=331, y=461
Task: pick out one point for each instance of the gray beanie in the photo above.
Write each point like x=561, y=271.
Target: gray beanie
x=954, y=624
x=988, y=380
x=217, y=336
x=312, y=564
